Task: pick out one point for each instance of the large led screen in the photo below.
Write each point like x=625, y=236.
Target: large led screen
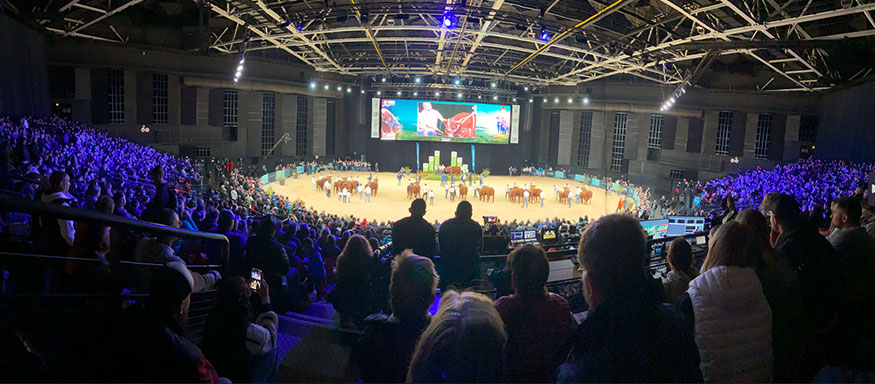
x=444, y=121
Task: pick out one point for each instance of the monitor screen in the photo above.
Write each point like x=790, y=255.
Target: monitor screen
x=444, y=121
x=516, y=236
x=549, y=234
x=685, y=225
x=656, y=229
x=531, y=235
x=701, y=241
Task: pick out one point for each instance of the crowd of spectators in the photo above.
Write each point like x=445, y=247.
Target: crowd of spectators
x=774, y=299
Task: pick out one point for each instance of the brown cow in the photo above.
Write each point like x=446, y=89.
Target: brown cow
x=454, y=170
x=320, y=184
x=413, y=191
x=534, y=195
x=516, y=194
x=374, y=186
x=586, y=195
x=563, y=197
x=463, y=191
x=487, y=193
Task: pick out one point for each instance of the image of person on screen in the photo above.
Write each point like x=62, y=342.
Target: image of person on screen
x=503, y=124
x=389, y=125
x=427, y=122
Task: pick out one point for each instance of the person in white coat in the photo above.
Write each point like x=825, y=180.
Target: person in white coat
x=732, y=321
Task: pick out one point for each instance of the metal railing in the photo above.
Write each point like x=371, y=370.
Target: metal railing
x=64, y=328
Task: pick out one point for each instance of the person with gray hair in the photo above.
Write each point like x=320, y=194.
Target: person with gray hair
x=386, y=347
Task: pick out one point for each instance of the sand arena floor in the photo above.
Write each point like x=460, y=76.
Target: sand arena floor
x=391, y=202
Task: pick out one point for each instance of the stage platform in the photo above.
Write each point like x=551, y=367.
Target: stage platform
x=391, y=201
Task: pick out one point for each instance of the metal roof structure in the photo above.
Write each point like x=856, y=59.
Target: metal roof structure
x=780, y=45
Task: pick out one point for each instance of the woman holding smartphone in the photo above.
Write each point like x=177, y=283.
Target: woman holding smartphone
x=240, y=334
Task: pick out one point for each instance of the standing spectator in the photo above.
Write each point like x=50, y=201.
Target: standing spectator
x=680, y=263
x=628, y=335
x=463, y=343
x=165, y=196
x=537, y=322
x=460, y=242
x=414, y=232
x=227, y=225
x=152, y=341
x=240, y=333
x=315, y=268
x=353, y=297
x=386, y=347
x=810, y=255
x=731, y=318
x=56, y=236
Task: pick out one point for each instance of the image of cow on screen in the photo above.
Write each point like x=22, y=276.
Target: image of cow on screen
x=444, y=121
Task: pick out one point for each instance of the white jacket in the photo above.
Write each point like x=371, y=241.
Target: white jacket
x=733, y=325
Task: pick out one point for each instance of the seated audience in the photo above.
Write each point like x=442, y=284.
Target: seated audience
x=537, y=322
x=462, y=344
x=268, y=255
x=732, y=320
x=240, y=335
x=384, y=352
x=152, y=339
x=681, y=271
x=628, y=335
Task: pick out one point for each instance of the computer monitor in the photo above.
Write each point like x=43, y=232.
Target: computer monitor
x=685, y=225
x=516, y=236
x=549, y=234
x=656, y=229
x=701, y=241
x=531, y=235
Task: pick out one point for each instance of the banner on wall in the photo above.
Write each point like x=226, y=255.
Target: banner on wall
x=375, y=118
x=559, y=175
x=453, y=161
x=299, y=170
x=473, y=166
x=595, y=182
x=580, y=178
x=437, y=158
x=515, y=124
x=417, y=155
x=431, y=166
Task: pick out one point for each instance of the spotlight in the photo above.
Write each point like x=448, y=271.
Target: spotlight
x=683, y=90
x=398, y=93
x=384, y=80
x=544, y=100
x=312, y=85
x=237, y=74
x=545, y=36
x=459, y=95
x=448, y=19
x=531, y=101
x=348, y=90
x=415, y=93
x=339, y=89
x=362, y=91
x=514, y=99
x=569, y=100
x=325, y=87
x=417, y=80
x=242, y=60
x=494, y=97
x=526, y=88
x=378, y=93
x=436, y=94
x=492, y=85
x=586, y=100
x=479, y=97
x=671, y=100
x=456, y=82
x=235, y=79
x=556, y=100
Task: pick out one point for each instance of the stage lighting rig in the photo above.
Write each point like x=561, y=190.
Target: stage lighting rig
x=545, y=36
x=448, y=21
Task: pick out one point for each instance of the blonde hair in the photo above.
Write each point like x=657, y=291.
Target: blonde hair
x=463, y=343
x=413, y=285
x=732, y=245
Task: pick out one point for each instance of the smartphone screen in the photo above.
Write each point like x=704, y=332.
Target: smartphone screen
x=255, y=278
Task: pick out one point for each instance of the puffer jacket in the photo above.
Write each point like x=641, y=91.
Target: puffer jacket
x=732, y=325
